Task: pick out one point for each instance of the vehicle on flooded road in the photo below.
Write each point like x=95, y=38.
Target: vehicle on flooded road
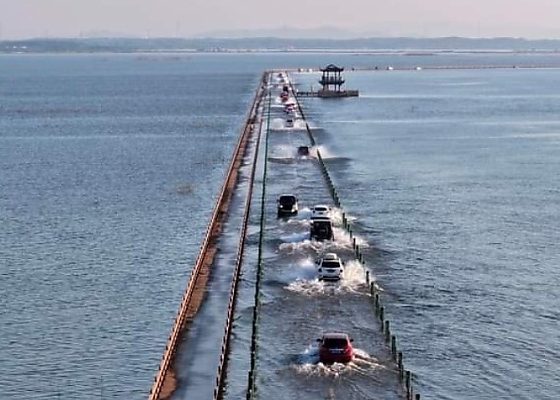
x=287, y=205
x=320, y=211
x=335, y=348
x=303, y=151
x=321, y=229
x=330, y=268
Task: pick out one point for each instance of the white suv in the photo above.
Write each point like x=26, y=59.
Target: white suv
x=330, y=268
x=320, y=211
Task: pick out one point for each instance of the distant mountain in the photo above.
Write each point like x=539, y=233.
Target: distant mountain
x=134, y=45
x=287, y=32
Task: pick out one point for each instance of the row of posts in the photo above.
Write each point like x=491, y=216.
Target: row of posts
x=405, y=376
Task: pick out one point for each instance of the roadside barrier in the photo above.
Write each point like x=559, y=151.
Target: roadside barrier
x=406, y=376
x=222, y=367
x=204, y=257
x=251, y=378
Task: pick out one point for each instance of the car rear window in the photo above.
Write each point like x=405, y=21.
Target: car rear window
x=287, y=200
x=322, y=224
x=334, y=343
x=320, y=208
x=330, y=264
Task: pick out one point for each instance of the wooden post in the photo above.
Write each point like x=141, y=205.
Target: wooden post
x=407, y=383
x=381, y=315
x=394, y=346
x=367, y=277
x=400, y=363
x=387, y=331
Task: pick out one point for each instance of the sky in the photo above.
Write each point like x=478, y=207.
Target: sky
x=186, y=18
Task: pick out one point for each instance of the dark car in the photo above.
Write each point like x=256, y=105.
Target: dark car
x=335, y=347
x=321, y=229
x=303, y=151
x=287, y=205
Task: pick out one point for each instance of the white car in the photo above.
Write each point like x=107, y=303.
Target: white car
x=290, y=123
x=330, y=268
x=320, y=211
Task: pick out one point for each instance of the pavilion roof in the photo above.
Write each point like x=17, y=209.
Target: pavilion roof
x=332, y=68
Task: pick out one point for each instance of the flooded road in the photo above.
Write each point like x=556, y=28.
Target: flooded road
x=296, y=307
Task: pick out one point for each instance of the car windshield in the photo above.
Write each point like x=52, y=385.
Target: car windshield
x=321, y=209
x=287, y=200
x=330, y=264
x=335, y=343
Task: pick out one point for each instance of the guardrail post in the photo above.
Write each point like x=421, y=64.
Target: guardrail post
x=387, y=331
x=400, y=364
x=407, y=383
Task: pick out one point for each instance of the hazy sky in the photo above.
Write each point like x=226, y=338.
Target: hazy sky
x=481, y=18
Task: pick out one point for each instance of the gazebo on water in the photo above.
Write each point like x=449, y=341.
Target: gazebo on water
x=331, y=84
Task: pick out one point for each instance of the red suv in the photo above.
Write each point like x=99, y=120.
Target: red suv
x=335, y=347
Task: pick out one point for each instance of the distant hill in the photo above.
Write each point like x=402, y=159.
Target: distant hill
x=290, y=32
x=132, y=45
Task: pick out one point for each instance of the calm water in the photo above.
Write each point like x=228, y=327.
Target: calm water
x=109, y=171
x=110, y=165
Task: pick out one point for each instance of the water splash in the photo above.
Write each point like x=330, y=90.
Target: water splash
x=302, y=246
x=353, y=281
x=279, y=124
x=325, y=153
x=282, y=151
x=304, y=270
x=308, y=364
x=343, y=239
x=301, y=241
x=295, y=238
x=335, y=215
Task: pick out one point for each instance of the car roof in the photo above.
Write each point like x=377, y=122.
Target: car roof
x=287, y=195
x=335, y=335
x=320, y=205
x=321, y=219
x=330, y=256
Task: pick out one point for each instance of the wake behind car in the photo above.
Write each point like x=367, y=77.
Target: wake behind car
x=330, y=268
x=321, y=229
x=335, y=347
x=287, y=205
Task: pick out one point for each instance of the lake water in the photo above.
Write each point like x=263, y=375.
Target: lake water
x=453, y=176
x=110, y=166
